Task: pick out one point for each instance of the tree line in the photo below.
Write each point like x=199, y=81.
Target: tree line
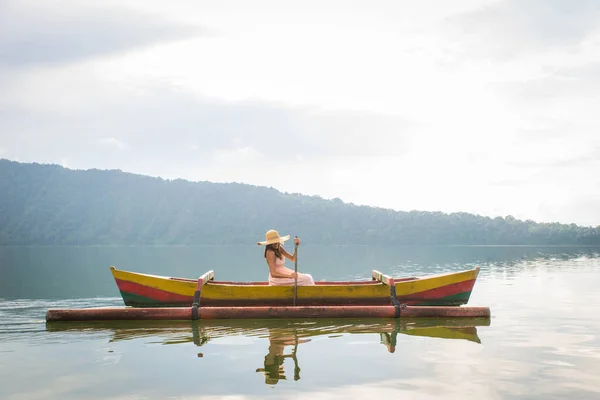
x=52, y=205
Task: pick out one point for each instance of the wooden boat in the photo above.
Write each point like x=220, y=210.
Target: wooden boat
x=145, y=290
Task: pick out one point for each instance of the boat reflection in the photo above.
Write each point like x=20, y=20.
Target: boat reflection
x=284, y=336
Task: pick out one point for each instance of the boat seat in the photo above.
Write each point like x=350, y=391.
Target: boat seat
x=380, y=277
x=383, y=278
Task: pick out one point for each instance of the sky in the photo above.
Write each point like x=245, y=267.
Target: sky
x=487, y=107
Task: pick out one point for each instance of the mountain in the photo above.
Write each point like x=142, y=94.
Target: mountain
x=52, y=205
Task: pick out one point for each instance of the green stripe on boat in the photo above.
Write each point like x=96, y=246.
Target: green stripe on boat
x=453, y=300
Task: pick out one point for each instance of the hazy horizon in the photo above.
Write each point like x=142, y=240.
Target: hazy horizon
x=478, y=106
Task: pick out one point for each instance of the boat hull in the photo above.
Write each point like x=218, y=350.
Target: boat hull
x=145, y=290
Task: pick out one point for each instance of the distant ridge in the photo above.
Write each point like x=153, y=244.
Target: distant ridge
x=51, y=205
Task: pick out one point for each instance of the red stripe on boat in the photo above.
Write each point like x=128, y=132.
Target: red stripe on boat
x=152, y=293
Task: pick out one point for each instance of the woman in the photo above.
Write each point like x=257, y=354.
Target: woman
x=275, y=255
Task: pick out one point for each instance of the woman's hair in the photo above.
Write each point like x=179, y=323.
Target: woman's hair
x=275, y=248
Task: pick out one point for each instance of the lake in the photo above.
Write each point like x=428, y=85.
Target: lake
x=542, y=342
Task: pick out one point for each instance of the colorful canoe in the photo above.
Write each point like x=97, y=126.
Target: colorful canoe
x=145, y=290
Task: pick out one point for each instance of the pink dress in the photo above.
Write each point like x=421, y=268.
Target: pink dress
x=303, y=279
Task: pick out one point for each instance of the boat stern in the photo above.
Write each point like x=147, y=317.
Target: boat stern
x=143, y=290
x=452, y=289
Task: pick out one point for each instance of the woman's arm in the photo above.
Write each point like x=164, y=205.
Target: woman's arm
x=288, y=255
x=291, y=257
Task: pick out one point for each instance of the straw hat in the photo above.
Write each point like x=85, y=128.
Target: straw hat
x=272, y=236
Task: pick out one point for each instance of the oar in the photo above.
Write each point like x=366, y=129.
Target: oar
x=296, y=271
x=296, y=366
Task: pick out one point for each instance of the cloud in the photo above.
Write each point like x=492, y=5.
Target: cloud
x=37, y=32
x=236, y=154
x=111, y=141
x=512, y=28
x=167, y=122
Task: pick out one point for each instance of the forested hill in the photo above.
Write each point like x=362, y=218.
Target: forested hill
x=51, y=205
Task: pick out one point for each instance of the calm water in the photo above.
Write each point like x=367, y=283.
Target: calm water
x=542, y=342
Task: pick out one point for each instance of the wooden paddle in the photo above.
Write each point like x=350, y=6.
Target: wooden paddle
x=296, y=366
x=296, y=271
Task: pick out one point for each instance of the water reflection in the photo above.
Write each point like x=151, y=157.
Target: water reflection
x=284, y=337
x=273, y=365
